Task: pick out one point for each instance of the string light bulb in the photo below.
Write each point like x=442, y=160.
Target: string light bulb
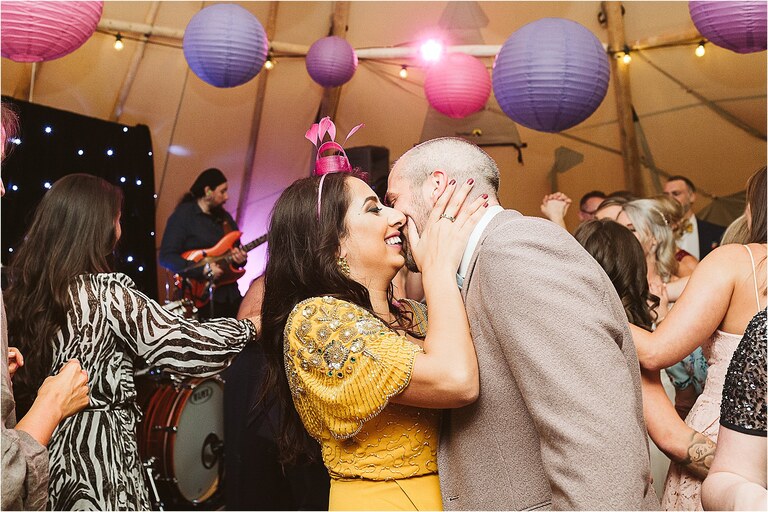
x=269, y=63
x=119, y=45
x=700, y=50
x=404, y=72
x=626, y=58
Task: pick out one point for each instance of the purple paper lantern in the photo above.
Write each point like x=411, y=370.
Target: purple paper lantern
x=737, y=26
x=225, y=45
x=550, y=75
x=40, y=31
x=458, y=85
x=331, y=61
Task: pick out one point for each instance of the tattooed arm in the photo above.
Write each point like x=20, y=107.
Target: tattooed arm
x=701, y=452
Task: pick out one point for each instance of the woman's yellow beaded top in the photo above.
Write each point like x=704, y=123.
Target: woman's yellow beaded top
x=343, y=365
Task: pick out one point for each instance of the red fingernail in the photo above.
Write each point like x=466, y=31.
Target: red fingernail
x=470, y=181
x=452, y=182
x=485, y=205
x=485, y=196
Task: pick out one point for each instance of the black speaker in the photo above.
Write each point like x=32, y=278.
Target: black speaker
x=373, y=160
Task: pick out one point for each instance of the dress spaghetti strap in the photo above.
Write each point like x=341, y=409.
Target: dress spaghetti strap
x=754, y=277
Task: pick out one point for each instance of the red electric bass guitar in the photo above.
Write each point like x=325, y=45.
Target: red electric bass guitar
x=197, y=290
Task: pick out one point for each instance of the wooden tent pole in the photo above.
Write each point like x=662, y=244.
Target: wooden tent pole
x=133, y=69
x=621, y=86
x=331, y=95
x=258, y=109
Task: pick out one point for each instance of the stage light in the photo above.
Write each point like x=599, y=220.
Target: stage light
x=47, y=184
x=404, y=72
x=80, y=152
x=432, y=50
x=14, y=187
x=125, y=129
x=138, y=182
x=48, y=129
x=110, y=152
x=150, y=153
x=16, y=141
x=141, y=268
x=122, y=179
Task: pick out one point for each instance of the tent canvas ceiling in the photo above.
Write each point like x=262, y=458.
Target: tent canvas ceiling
x=195, y=125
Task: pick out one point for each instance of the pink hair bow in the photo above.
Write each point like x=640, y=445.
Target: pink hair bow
x=331, y=163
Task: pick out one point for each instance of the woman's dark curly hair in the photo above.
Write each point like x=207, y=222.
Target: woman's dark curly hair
x=620, y=254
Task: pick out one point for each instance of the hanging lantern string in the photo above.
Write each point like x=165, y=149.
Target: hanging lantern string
x=405, y=50
x=621, y=51
x=143, y=38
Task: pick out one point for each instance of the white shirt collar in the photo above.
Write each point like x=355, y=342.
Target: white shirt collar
x=474, y=239
x=689, y=242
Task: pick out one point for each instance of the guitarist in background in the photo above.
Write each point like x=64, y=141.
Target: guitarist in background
x=200, y=221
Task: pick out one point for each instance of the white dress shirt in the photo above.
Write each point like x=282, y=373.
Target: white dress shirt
x=689, y=242
x=474, y=239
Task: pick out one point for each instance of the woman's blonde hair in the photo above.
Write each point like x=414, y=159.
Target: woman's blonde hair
x=737, y=232
x=651, y=224
x=672, y=211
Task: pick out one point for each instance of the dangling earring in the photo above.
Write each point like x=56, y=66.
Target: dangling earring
x=343, y=265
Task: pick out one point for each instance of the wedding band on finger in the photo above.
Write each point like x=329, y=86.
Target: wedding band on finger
x=446, y=216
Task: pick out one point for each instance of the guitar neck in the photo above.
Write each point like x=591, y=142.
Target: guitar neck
x=247, y=247
x=252, y=245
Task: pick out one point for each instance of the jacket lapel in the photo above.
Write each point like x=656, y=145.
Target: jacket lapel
x=473, y=260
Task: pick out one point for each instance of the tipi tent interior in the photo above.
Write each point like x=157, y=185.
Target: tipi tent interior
x=703, y=117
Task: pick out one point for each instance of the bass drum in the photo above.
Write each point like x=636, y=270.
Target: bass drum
x=183, y=430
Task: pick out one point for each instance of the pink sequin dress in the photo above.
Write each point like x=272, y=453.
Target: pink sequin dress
x=682, y=491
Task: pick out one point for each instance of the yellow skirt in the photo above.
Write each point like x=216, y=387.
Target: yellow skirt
x=416, y=493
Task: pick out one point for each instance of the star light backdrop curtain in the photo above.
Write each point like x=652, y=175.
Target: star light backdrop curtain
x=54, y=143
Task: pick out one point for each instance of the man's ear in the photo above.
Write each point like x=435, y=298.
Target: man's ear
x=693, y=197
x=437, y=181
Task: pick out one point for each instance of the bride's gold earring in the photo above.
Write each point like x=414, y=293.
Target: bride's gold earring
x=343, y=265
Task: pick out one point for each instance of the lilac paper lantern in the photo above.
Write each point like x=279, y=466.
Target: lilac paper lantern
x=40, y=31
x=331, y=61
x=458, y=85
x=736, y=26
x=550, y=75
x=225, y=45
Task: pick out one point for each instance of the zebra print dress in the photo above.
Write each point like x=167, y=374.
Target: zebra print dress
x=112, y=327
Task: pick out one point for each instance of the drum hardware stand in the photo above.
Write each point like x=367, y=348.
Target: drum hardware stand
x=211, y=287
x=172, y=430
x=149, y=468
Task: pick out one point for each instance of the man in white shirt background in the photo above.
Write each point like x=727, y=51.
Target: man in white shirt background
x=699, y=236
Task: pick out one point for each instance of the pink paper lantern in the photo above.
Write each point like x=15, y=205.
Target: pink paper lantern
x=40, y=30
x=331, y=61
x=458, y=85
